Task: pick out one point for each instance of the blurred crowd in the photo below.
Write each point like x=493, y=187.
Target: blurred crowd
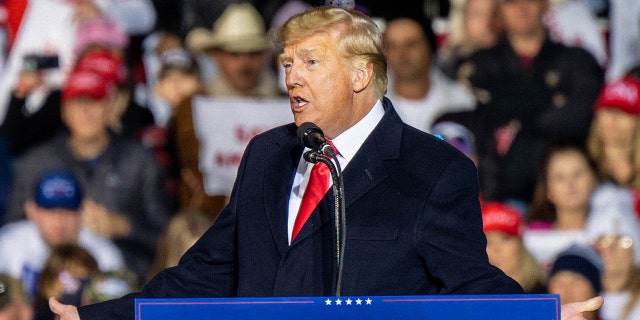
x=100, y=183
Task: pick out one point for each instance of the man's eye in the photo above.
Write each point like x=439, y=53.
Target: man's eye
x=286, y=65
x=312, y=61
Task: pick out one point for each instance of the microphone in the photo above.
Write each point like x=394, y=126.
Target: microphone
x=312, y=137
x=321, y=151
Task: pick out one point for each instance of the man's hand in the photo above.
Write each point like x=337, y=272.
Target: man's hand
x=103, y=222
x=65, y=311
x=574, y=310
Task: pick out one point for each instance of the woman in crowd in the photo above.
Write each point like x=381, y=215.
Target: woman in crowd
x=560, y=204
x=503, y=226
x=613, y=228
x=614, y=137
x=567, y=179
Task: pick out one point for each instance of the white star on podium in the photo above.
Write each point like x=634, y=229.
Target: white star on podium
x=349, y=301
x=368, y=301
x=338, y=302
x=328, y=302
x=358, y=301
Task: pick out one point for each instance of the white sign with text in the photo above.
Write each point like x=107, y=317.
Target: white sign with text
x=224, y=127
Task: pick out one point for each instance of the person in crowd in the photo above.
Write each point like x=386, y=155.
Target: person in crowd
x=103, y=47
x=33, y=113
x=560, y=205
x=54, y=218
x=335, y=73
x=238, y=46
x=124, y=198
x=613, y=229
x=65, y=275
x=420, y=91
x=563, y=189
x=614, y=137
x=473, y=25
x=503, y=226
x=13, y=301
x=179, y=77
x=174, y=142
x=575, y=276
x=531, y=91
x=158, y=47
x=46, y=27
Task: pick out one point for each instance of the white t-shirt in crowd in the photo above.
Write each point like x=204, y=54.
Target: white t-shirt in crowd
x=23, y=252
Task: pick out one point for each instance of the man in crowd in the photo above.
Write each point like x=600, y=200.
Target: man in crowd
x=420, y=91
x=238, y=47
x=531, y=91
x=124, y=198
x=54, y=219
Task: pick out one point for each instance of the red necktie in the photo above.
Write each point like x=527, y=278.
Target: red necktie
x=316, y=189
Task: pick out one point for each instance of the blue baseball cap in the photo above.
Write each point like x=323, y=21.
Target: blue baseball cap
x=58, y=189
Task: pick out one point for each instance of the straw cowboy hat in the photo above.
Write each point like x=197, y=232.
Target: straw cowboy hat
x=240, y=28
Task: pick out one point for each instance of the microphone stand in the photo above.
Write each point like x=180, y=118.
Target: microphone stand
x=340, y=219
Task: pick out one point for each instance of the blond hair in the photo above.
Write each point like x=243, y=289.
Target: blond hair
x=360, y=38
x=532, y=273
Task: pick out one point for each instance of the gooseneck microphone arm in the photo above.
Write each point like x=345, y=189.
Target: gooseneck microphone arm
x=313, y=138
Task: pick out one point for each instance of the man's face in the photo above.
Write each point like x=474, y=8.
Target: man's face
x=481, y=23
x=57, y=226
x=407, y=50
x=176, y=86
x=571, y=286
x=523, y=17
x=86, y=118
x=320, y=86
x=242, y=70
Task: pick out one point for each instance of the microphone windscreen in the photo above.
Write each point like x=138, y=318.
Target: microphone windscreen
x=305, y=131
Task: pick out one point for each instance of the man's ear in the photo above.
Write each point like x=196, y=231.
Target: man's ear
x=31, y=210
x=362, y=77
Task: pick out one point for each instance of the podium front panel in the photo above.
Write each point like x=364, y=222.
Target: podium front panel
x=440, y=307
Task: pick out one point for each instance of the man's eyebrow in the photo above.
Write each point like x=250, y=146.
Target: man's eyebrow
x=282, y=57
x=303, y=52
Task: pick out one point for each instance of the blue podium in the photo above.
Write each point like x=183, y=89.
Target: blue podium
x=440, y=307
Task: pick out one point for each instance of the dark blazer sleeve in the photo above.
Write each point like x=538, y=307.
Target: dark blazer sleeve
x=450, y=237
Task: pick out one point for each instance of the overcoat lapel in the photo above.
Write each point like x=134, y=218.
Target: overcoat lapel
x=279, y=173
x=364, y=172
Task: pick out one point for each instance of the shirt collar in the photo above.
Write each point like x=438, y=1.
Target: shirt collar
x=350, y=140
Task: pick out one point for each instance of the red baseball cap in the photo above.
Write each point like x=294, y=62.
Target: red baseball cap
x=623, y=94
x=86, y=83
x=109, y=65
x=497, y=216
